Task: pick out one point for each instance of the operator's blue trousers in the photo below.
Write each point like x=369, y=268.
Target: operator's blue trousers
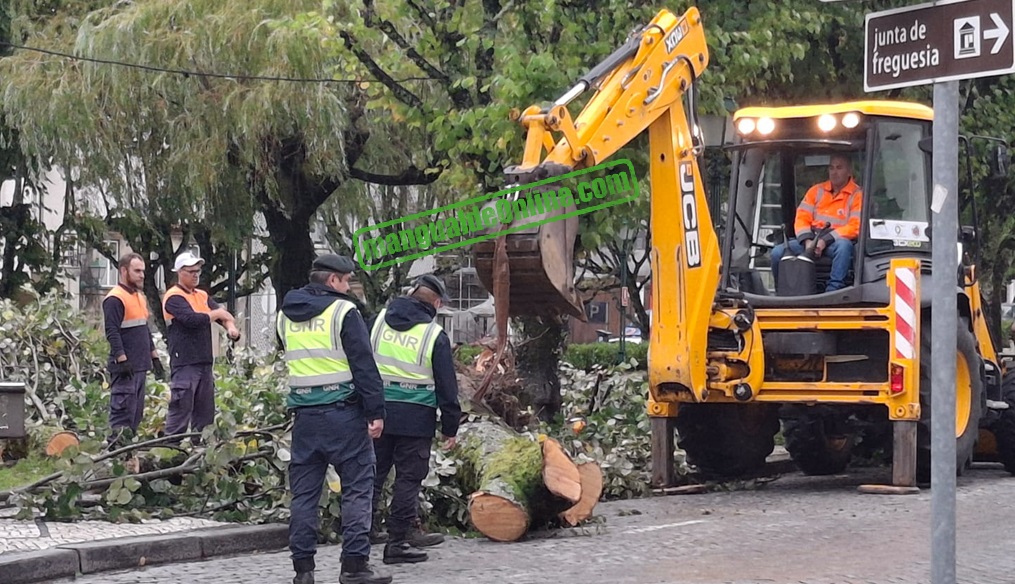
x=330, y=434
x=841, y=252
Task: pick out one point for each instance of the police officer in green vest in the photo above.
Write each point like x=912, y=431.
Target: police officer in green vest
x=413, y=354
x=338, y=405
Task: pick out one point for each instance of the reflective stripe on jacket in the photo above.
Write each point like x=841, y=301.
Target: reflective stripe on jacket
x=405, y=361
x=135, y=307
x=821, y=207
x=319, y=371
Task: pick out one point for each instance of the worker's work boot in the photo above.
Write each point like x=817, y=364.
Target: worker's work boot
x=418, y=537
x=357, y=570
x=304, y=568
x=401, y=552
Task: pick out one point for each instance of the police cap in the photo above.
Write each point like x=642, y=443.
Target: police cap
x=331, y=262
x=435, y=284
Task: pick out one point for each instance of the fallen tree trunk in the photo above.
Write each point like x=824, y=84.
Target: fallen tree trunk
x=522, y=483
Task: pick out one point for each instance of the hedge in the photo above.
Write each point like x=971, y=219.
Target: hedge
x=585, y=356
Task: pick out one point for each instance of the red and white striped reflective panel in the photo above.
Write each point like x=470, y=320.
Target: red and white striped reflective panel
x=905, y=313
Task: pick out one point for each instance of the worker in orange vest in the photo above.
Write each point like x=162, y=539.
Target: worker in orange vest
x=189, y=313
x=132, y=350
x=828, y=222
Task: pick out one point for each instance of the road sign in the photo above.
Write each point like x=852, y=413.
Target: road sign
x=625, y=297
x=942, y=41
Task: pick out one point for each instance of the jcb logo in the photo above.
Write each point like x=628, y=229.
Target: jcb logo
x=689, y=206
x=404, y=339
x=674, y=38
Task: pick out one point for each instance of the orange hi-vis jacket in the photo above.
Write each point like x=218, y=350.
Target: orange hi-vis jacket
x=135, y=307
x=821, y=207
x=198, y=300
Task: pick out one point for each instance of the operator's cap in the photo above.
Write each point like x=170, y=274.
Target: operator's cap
x=433, y=283
x=331, y=262
x=185, y=260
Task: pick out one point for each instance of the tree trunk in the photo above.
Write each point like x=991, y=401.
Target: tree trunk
x=520, y=483
x=538, y=361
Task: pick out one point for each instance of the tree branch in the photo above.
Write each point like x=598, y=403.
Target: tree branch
x=401, y=93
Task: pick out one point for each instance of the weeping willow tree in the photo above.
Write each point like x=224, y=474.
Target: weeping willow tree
x=253, y=128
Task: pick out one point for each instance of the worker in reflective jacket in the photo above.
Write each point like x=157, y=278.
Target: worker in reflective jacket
x=131, y=348
x=413, y=354
x=828, y=222
x=336, y=398
x=189, y=312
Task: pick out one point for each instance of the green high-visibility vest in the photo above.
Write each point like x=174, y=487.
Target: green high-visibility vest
x=319, y=371
x=405, y=361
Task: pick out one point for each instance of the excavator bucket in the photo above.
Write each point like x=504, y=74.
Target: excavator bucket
x=540, y=261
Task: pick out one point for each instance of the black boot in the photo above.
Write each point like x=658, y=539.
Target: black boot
x=402, y=552
x=418, y=537
x=304, y=568
x=357, y=570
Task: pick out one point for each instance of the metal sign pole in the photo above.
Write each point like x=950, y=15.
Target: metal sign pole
x=943, y=326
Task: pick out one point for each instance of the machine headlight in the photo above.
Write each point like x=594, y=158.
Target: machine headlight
x=851, y=120
x=745, y=125
x=826, y=122
x=766, y=125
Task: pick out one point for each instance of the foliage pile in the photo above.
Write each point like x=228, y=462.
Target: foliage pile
x=59, y=355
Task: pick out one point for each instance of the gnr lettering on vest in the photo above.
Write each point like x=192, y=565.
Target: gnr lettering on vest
x=402, y=339
x=312, y=325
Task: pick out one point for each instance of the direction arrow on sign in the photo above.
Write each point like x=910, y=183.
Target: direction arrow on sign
x=999, y=34
x=936, y=42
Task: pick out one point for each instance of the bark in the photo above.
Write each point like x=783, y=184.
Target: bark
x=538, y=359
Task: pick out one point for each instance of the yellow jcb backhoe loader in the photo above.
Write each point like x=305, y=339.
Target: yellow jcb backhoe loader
x=730, y=363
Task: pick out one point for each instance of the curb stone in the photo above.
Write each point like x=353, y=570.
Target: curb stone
x=69, y=560
x=38, y=566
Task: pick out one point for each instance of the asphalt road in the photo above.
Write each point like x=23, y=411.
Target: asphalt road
x=796, y=529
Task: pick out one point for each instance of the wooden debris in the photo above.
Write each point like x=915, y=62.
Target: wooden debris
x=60, y=441
x=592, y=488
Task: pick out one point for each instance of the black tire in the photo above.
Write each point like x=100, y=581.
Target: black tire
x=1004, y=426
x=815, y=445
x=969, y=399
x=727, y=440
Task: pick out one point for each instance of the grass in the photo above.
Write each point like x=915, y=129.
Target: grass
x=25, y=471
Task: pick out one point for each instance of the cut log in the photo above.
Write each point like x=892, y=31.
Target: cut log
x=592, y=488
x=560, y=474
x=60, y=442
x=507, y=468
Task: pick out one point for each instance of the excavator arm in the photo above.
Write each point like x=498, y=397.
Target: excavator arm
x=641, y=85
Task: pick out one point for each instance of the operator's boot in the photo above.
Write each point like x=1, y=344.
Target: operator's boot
x=304, y=571
x=401, y=552
x=357, y=570
x=377, y=535
x=418, y=537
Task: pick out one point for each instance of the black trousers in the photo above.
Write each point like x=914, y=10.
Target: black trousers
x=410, y=455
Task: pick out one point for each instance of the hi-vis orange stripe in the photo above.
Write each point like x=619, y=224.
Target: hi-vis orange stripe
x=906, y=315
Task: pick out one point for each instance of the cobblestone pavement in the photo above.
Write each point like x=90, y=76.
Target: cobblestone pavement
x=25, y=536
x=795, y=530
